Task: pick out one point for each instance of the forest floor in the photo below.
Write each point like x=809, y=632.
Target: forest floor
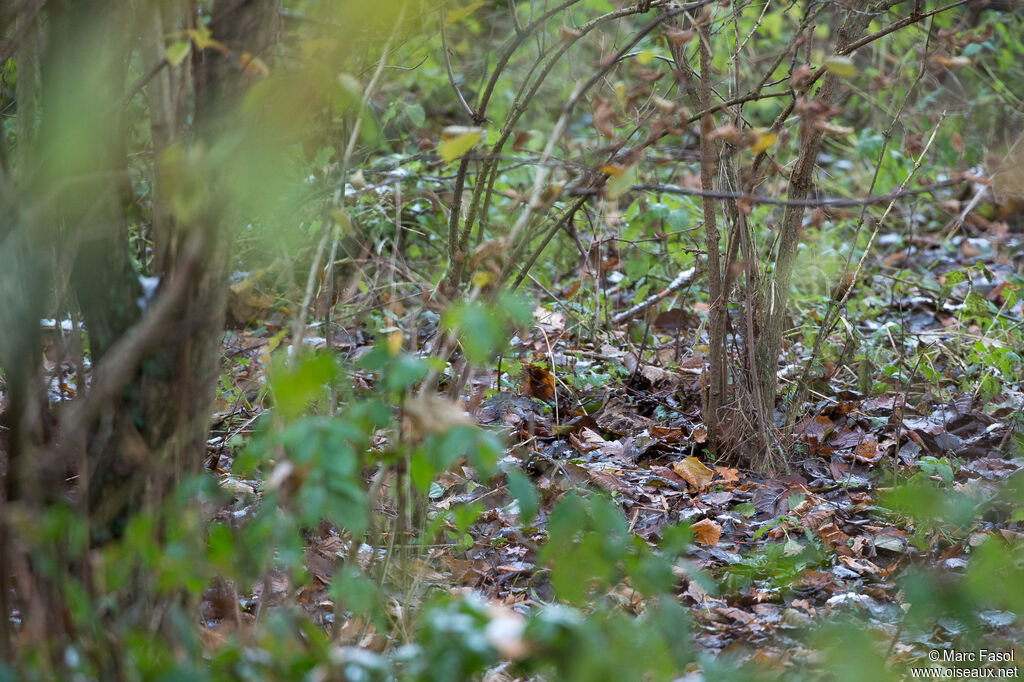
x=922, y=392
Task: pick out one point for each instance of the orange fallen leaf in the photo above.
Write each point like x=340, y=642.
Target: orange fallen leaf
x=538, y=382
x=707, y=532
x=866, y=450
x=693, y=472
x=699, y=433
x=728, y=475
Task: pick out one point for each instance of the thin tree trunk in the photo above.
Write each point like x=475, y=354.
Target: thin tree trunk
x=776, y=297
x=715, y=387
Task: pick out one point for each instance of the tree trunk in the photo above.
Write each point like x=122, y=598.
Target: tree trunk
x=140, y=426
x=776, y=297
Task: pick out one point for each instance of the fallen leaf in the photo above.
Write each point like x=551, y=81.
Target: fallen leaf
x=538, y=382
x=707, y=532
x=728, y=475
x=693, y=472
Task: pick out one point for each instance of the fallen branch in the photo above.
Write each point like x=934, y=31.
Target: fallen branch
x=682, y=279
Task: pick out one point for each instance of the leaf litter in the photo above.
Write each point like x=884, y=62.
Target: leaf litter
x=628, y=425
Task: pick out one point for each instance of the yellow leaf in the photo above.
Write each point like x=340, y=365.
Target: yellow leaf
x=482, y=278
x=706, y=532
x=841, y=66
x=457, y=15
x=395, y=341
x=253, y=65
x=457, y=146
x=620, y=94
x=202, y=40
x=693, y=472
x=176, y=52
x=763, y=142
x=619, y=183
x=644, y=58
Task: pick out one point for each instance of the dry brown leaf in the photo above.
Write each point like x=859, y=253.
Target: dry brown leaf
x=601, y=111
x=538, y=382
x=587, y=440
x=693, y=472
x=707, y=532
x=680, y=37
x=815, y=431
x=867, y=450
x=699, y=434
x=728, y=475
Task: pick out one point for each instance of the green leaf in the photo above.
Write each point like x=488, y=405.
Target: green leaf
x=177, y=51
x=405, y=371
x=525, y=495
x=745, y=509
x=416, y=115
x=479, y=329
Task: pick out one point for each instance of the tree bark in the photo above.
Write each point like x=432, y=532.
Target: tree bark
x=715, y=386
x=776, y=297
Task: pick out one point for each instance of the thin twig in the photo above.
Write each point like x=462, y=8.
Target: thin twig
x=448, y=67
x=805, y=203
